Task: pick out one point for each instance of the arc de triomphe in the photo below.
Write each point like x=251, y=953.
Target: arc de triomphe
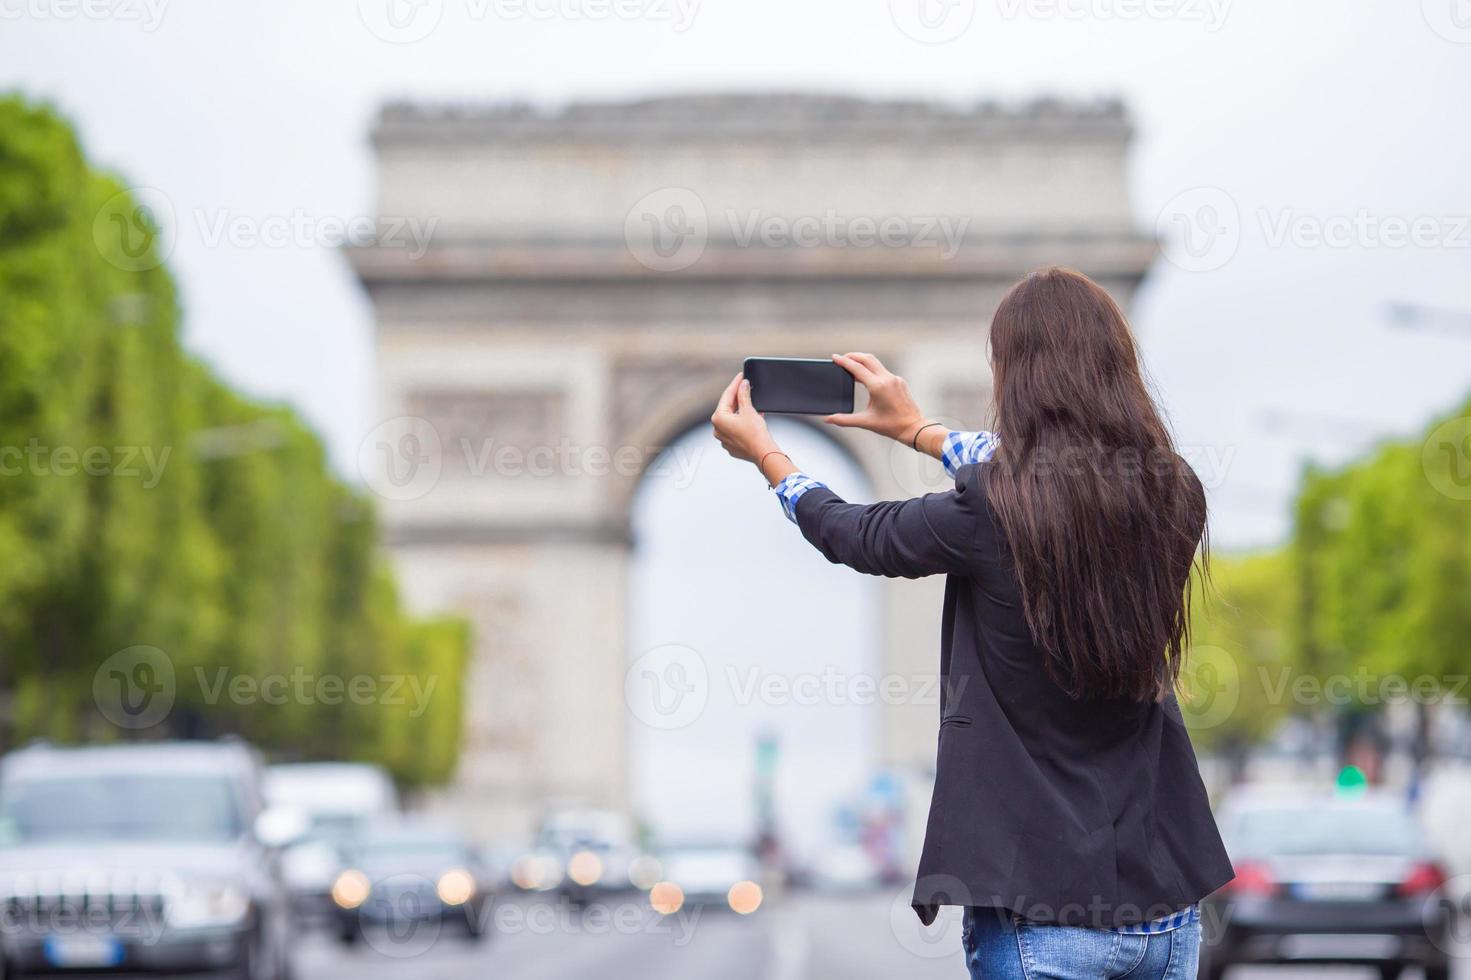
x=593, y=279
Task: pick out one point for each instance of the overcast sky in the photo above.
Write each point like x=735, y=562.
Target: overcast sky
x=1273, y=123
x=1306, y=115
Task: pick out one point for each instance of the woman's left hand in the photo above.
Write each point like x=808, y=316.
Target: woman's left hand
x=739, y=427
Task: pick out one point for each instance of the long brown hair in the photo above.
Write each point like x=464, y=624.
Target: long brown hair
x=1100, y=514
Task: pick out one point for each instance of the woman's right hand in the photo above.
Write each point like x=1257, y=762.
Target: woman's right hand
x=891, y=410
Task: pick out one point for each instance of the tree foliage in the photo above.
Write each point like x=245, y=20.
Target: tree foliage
x=143, y=502
x=1386, y=554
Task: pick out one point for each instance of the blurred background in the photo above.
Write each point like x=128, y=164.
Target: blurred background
x=375, y=602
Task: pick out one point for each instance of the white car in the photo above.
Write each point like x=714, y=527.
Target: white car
x=338, y=799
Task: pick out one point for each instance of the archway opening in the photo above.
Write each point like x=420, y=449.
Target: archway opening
x=778, y=648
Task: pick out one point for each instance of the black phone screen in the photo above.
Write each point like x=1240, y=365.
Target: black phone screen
x=799, y=385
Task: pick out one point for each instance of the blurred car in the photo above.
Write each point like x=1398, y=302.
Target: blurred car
x=338, y=799
x=153, y=858
x=404, y=873
x=585, y=854
x=708, y=874
x=1327, y=880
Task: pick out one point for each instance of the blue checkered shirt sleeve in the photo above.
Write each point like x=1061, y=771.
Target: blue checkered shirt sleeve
x=960, y=449
x=791, y=490
x=963, y=448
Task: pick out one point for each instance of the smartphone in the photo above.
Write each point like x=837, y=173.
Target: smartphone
x=799, y=385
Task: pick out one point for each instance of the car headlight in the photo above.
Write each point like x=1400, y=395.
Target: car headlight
x=455, y=887
x=744, y=897
x=536, y=872
x=351, y=889
x=585, y=868
x=666, y=898
x=208, y=904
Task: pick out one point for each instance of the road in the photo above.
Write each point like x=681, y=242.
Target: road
x=803, y=938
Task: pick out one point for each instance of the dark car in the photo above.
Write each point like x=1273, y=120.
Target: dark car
x=399, y=875
x=1328, y=880
x=586, y=855
x=156, y=858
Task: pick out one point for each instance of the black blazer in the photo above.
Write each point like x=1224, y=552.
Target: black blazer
x=1087, y=813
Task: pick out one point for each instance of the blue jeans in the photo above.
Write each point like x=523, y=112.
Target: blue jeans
x=998, y=949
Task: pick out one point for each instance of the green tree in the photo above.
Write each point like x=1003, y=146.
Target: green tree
x=1241, y=654
x=142, y=501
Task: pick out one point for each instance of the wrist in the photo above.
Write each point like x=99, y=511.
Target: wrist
x=910, y=430
x=775, y=465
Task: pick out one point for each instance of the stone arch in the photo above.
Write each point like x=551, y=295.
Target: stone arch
x=536, y=319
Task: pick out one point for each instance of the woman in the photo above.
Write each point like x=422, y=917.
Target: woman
x=1068, y=816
